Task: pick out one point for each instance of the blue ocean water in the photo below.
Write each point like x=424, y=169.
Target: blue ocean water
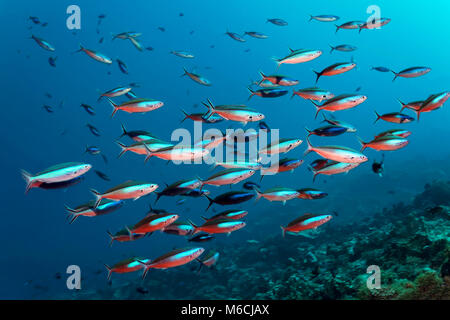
x=37, y=240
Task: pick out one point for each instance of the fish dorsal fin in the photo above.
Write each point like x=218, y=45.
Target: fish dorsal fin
x=292, y=50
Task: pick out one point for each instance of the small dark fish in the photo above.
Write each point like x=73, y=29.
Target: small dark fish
x=162, y=29
x=267, y=92
x=278, y=22
x=247, y=50
x=101, y=40
x=327, y=131
x=52, y=61
x=47, y=108
x=35, y=20
x=251, y=186
x=58, y=275
x=358, y=89
x=192, y=32
x=391, y=192
x=156, y=211
x=44, y=24
x=181, y=14
x=378, y=167
x=230, y=198
x=435, y=210
x=263, y=126
x=135, y=85
x=235, y=36
x=88, y=109
x=212, y=46
x=102, y=175
x=180, y=202
x=93, y=130
x=92, y=150
x=149, y=48
x=48, y=95
x=122, y=66
x=202, y=237
x=381, y=69
x=101, y=16
x=142, y=290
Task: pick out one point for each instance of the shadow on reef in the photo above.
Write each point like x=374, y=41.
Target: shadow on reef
x=410, y=244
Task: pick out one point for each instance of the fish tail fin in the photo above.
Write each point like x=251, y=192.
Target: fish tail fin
x=109, y=271
x=79, y=50
x=124, y=131
x=314, y=176
x=185, y=72
x=28, y=179
x=146, y=267
x=363, y=144
x=277, y=61
x=395, y=75
x=258, y=194
x=263, y=76
x=418, y=115
x=98, y=197
x=186, y=116
x=130, y=234
x=310, y=17
x=113, y=105
x=310, y=147
x=211, y=201
x=111, y=236
x=123, y=147
x=158, y=195
x=318, y=75
x=332, y=48
x=204, y=218
x=309, y=131
x=337, y=28
x=360, y=29
x=148, y=153
x=294, y=93
x=252, y=93
x=194, y=226
x=378, y=117
x=283, y=231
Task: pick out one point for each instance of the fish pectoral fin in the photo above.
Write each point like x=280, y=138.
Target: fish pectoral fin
x=244, y=123
x=284, y=202
x=136, y=198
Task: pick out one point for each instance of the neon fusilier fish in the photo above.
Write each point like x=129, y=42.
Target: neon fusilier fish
x=138, y=135
x=57, y=173
x=106, y=206
x=235, y=36
x=201, y=237
x=299, y=56
x=175, y=258
x=136, y=105
x=47, y=108
x=324, y=18
x=228, y=176
x=374, y=24
x=384, y=143
x=333, y=167
x=238, y=113
x=277, y=194
x=177, y=153
x=35, y=20
x=153, y=222
x=230, y=198
x=340, y=102
x=197, y=78
x=60, y=185
x=349, y=25
x=282, y=146
x=93, y=130
x=182, y=54
x=92, y=150
x=257, y=35
x=102, y=175
x=122, y=66
x=394, y=117
x=343, y=48
x=239, y=164
x=278, y=80
x=337, y=153
x=306, y=222
x=127, y=190
x=394, y=132
x=333, y=121
x=124, y=235
x=335, y=69
x=43, y=43
x=311, y=194
x=125, y=266
x=278, y=22
x=283, y=165
x=314, y=93
x=412, y=72
x=219, y=225
x=179, y=188
x=142, y=146
x=88, y=109
x=327, y=131
x=228, y=214
x=433, y=102
x=381, y=69
x=179, y=228
x=116, y=92
x=201, y=117
x=100, y=57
